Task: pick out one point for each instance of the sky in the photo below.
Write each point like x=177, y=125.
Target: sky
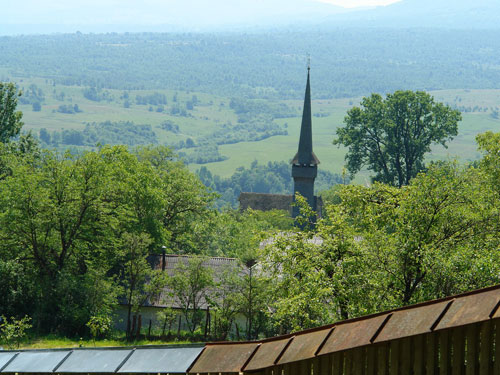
x=122, y=15
x=359, y=3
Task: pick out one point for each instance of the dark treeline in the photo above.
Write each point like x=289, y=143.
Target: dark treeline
x=108, y=132
x=351, y=62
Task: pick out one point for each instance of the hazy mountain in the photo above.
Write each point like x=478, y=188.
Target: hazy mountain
x=26, y=16
x=460, y=14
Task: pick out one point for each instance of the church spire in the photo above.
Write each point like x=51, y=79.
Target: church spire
x=305, y=163
x=305, y=154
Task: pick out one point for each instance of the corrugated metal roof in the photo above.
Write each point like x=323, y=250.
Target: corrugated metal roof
x=94, y=361
x=5, y=358
x=162, y=359
x=171, y=360
x=43, y=361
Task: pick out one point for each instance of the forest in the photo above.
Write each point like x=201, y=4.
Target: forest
x=351, y=61
x=77, y=231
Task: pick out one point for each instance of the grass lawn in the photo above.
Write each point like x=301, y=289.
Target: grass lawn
x=53, y=341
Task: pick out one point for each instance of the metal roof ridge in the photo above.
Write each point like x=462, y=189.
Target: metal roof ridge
x=138, y=347
x=191, y=256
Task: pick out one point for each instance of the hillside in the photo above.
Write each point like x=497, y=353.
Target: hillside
x=459, y=14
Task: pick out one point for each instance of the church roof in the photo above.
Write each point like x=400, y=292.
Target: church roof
x=305, y=154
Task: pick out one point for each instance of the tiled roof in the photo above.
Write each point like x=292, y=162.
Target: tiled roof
x=172, y=261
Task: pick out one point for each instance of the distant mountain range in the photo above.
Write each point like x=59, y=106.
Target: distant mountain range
x=33, y=16
x=451, y=14
x=158, y=15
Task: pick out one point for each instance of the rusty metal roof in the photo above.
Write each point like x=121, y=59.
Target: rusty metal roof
x=304, y=346
x=268, y=354
x=473, y=308
x=226, y=357
x=352, y=334
x=411, y=322
x=464, y=309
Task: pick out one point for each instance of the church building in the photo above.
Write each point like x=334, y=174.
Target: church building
x=304, y=172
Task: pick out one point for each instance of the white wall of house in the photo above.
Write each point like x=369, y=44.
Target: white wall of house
x=151, y=313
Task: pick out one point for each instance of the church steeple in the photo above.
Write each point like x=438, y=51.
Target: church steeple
x=305, y=154
x=305, y=163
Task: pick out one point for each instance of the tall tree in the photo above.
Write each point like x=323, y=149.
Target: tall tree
x=391, y=136
x=190, y=286
x=10, y=119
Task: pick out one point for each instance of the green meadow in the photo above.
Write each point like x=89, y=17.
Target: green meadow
x=212, y=112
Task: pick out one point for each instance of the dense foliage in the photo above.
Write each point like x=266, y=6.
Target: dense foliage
x=104, y=133
x=391, y=136
x=10, y=119
x=382, y=247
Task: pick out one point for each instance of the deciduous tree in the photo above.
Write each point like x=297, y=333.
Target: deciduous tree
x=10, y=119
x=391, y=136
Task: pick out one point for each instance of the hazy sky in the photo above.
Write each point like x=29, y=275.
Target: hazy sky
x=184, y=13
x=359, y=3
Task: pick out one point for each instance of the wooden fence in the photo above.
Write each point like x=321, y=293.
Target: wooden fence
x=455, y=335
x=468, y=350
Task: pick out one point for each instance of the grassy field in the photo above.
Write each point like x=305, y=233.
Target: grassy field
x=213, y=111
x=53, y=341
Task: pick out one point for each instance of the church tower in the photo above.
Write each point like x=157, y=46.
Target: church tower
x=305, y=163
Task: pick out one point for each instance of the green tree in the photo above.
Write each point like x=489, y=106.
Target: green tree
x=11, y=333
x=190, y=286
x=391, y=136
x=99, y=325
x=10, y=119
x=226, y=299
x=311, y=273
x=141, y=282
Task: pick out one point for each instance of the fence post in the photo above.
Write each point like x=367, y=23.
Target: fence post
x=458, y=342
x=485, y=354
x=371, y=360
x=431, y=356
x=418, y=350
x=444, y=353
x=394, y=364
x=472, y=349
x=382, y=359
